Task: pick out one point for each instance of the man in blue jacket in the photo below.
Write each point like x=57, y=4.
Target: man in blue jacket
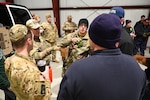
x=107, y=74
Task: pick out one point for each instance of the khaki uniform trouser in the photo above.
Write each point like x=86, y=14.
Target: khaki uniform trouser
x=53, y=52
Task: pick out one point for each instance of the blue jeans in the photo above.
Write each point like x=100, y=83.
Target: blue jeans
x=140, y=44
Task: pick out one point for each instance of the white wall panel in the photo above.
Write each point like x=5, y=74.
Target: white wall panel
x=34, y=3
x=80, y=3
x=84, y=3
x=2, y=0
x=132, y=14
x=42, y=14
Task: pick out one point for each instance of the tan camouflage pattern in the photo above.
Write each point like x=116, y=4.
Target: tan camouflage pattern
x=68, y=27
x=18, y=32
x=50, y=32
x=54, y=51
x=32, y=23
x=78, y=50
x=24, y=77
x=41, y=50
x=51, y=35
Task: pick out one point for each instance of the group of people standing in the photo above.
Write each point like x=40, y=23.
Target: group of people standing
x=140, y=33
x=98, y=64
x=49, y=33
x=109, y=72
x=33, y=43
x=28, y=82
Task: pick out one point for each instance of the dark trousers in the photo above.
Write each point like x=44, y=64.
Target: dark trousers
x=147, y=93
x=9, y=95
x=140, y=44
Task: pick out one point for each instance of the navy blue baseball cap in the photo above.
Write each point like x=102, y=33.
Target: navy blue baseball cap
x=119, y=11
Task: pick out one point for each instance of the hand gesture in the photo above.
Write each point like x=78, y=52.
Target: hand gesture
x=56, y=47
x=74, y=40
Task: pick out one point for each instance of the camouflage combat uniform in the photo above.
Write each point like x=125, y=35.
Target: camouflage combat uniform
x=24, y=77
x=77, y=50
x=51, y=35
x=68, y=27
x=41, y=50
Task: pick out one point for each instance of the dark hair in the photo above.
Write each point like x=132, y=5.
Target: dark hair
x=142, y=16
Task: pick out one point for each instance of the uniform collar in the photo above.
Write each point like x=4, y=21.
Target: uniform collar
x=25, y=57
x=107, y=52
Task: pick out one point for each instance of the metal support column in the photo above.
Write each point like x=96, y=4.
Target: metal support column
x=56, y=10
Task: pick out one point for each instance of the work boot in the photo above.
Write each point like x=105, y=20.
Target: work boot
x=55, y=60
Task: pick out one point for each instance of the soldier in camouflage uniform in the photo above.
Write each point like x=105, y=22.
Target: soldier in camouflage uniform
x=78, y=43
x=27, y=82
x=41, y=48
x=50, y=34
x=36, y=17
x=69, y=26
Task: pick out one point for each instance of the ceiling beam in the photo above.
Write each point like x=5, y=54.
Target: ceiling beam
x=10, y=1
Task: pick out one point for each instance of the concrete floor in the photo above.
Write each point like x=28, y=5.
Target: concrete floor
x=2, y=95
x=57, y=76
x=57, y=68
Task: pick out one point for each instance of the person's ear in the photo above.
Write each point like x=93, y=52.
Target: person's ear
x=29, y=41
x=122, y=20
x=117, y=44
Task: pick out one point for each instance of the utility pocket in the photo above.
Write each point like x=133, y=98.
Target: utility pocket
x=40, y=88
